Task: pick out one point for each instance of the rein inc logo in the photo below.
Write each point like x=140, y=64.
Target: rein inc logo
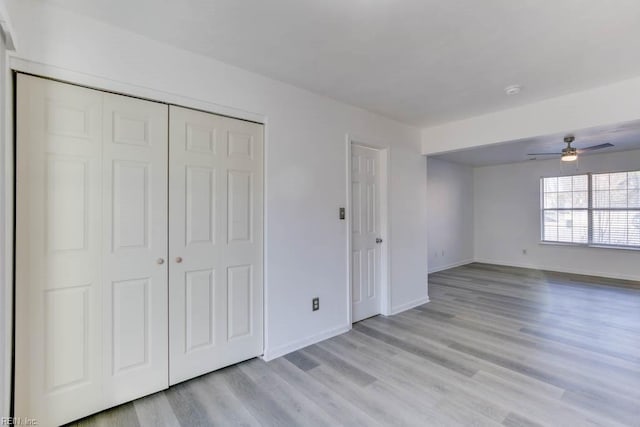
x=18, y=421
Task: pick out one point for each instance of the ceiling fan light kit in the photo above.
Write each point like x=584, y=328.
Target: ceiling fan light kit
x=569, y=153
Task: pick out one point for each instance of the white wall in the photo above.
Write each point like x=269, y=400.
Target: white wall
x=611, y=104
x=305, y=161
x=450, y=214
x=507, y=218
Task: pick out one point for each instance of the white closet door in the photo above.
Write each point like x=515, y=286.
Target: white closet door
x=135, y=247
x=216, y=239
x=59, y=293
x=91, y=299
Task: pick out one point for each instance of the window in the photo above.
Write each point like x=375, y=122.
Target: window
x=566, y=209
x=616, y=209
x=592, y=209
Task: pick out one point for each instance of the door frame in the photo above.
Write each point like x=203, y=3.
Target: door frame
x=384, y=153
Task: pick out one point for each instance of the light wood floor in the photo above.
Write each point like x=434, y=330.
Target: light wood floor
x=495, y=346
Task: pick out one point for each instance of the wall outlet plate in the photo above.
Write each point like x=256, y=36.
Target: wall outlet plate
x=315, y=304
x=342, y=213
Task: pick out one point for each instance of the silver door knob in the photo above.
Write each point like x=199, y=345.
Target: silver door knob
x=178, y=260
x=378, y=240
x=160, y=261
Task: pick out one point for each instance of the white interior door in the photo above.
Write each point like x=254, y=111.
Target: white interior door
x=91, y=301
x=216, y=242
x=366, y=237
x=58, y=246
x=135, y=247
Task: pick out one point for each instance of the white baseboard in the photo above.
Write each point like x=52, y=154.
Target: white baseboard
x=409, y=305
x=452, y=265
x=560, y=269
x=270, y=354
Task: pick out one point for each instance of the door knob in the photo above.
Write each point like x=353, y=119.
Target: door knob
x=178, y=260
x=160, y=261
x=378, y=240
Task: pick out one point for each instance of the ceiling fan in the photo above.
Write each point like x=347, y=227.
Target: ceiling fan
x=569, y=153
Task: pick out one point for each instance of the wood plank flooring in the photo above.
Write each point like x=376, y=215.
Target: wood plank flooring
x=495, y=346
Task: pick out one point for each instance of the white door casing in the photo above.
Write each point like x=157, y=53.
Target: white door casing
x=216, y=242
x=366, y=235
x=91, y=308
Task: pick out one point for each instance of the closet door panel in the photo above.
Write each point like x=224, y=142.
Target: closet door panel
x=215, y=238
x=243, y=258
x=196, y=200
x=135, y=248
x=58, y=245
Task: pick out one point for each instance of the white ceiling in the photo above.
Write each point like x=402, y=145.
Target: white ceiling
x=422, y=62
x=624, y=137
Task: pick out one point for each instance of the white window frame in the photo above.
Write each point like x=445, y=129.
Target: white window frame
x=590, y=209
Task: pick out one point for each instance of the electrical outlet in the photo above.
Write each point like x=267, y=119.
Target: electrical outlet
x=315, y=304
x=524, y=252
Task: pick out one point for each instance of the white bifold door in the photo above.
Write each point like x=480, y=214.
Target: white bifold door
x=134, y=242
x=138, y=254
x=91, y=294
x=215, y=234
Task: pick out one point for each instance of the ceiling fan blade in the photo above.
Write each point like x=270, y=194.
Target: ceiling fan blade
x=543, y=154
x=595, y=147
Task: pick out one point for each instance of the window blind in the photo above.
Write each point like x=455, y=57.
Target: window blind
x=616, y=208
x=596, y=209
